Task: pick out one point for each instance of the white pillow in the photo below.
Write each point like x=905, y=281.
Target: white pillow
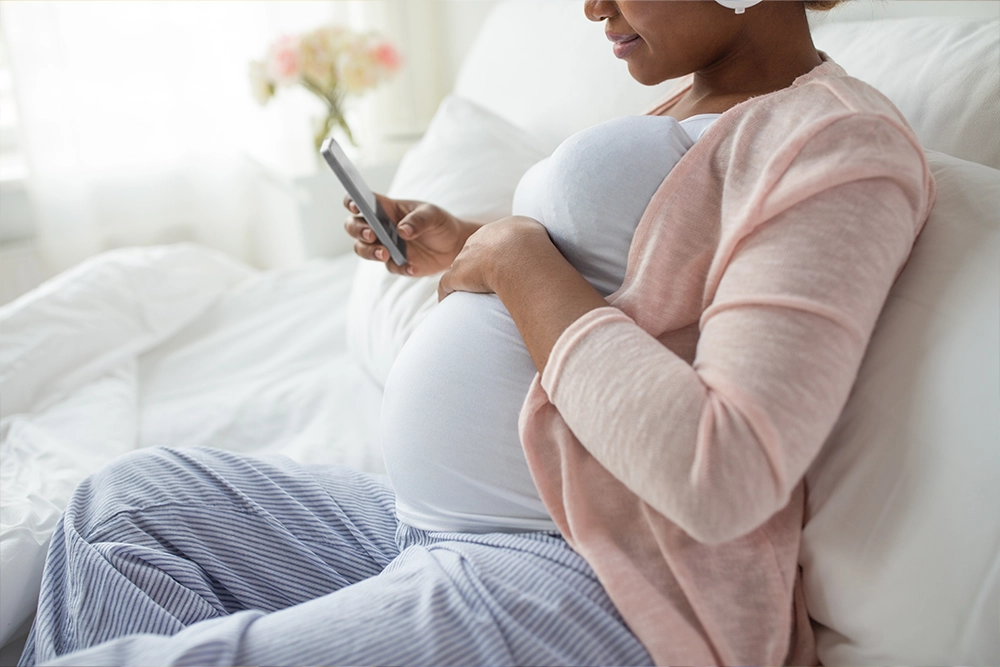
x=900, y=554
x=942, y=73
x=469, y=162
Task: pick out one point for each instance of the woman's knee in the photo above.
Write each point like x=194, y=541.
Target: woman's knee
x=128, y=484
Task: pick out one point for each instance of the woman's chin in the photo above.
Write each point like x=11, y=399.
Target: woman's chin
x=642, y=75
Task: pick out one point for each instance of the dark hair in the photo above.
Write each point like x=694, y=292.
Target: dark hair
x=822, y=5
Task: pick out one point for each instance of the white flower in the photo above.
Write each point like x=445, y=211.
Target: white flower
x=260, y=85
x=357, y=68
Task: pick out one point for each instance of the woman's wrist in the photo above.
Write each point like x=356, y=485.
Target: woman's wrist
x=543, y=292
x=516, y=261
x=466, y=229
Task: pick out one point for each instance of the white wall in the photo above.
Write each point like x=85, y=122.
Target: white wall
x=461, y=21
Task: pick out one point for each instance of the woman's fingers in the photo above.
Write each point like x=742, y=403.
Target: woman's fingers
x=366, y=244
x=417, y=221
x=444, y=288
x=355, y=225
x=372, y=251
x=378, y=253
x=351, y=206
x=358, y=229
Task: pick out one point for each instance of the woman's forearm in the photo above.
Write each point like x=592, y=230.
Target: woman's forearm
x=544, y=294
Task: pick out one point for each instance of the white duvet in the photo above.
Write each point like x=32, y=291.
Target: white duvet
x=170, y=346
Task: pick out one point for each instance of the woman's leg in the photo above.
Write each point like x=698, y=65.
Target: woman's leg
x=163, y=539
x=447, y=599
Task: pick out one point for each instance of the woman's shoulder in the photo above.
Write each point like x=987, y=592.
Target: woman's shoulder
x=825, y=130
x=827, y=101
x=839, y=122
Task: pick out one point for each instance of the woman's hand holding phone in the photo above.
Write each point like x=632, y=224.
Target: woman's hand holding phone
x=433, y=236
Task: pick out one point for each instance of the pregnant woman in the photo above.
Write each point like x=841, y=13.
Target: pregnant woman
x=597, y=441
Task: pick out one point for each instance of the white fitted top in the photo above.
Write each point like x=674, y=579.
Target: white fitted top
x=453, y=396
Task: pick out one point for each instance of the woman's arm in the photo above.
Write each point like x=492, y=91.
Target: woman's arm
x=515, y=258
x=719, y=445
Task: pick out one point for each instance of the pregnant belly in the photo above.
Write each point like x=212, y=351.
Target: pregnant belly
x=449, y=422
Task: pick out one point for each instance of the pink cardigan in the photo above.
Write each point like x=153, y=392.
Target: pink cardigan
x=670, y=432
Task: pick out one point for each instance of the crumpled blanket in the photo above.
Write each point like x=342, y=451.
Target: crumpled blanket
x=166, y=346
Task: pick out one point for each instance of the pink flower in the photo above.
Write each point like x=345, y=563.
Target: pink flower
x=386, y=55
x=283, y=60
x=329, y=61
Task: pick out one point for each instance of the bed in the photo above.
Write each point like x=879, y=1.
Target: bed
x=180, y=345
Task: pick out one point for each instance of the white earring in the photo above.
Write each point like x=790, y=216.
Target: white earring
x=738, y=5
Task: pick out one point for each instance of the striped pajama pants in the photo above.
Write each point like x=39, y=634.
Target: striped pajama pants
x=199, y=556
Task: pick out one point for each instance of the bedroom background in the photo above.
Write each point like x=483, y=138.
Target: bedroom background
x=133, y=123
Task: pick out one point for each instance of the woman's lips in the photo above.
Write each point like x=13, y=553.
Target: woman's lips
x=623, y=43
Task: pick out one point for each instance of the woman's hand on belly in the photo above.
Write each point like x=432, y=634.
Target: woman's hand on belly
x=490, y=250
x=515, y=258
x=433, y=236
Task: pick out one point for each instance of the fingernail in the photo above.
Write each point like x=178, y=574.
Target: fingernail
x=409, y=271
x=369, y=235
x=406, y=229
x=380, y=254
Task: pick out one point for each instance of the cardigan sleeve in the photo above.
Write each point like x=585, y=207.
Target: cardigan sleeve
x=718, y=446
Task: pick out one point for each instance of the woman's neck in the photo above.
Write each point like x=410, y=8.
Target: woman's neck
x=758, y=62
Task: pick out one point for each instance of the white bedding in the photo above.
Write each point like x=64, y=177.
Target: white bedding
x=170, y=346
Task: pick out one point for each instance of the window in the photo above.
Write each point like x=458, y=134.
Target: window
x=13, y=168
x=16, y=221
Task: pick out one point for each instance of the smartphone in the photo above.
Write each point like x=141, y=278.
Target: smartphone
x=365, y=200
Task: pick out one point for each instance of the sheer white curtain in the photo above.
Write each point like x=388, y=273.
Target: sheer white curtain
x=139, y=125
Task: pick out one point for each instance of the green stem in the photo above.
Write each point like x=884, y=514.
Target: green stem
x=309, y=85
x=334, y=115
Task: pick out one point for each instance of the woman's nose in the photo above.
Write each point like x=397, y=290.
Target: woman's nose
x=598, y=10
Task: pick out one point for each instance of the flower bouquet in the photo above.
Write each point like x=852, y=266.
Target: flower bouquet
x=331, y=62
